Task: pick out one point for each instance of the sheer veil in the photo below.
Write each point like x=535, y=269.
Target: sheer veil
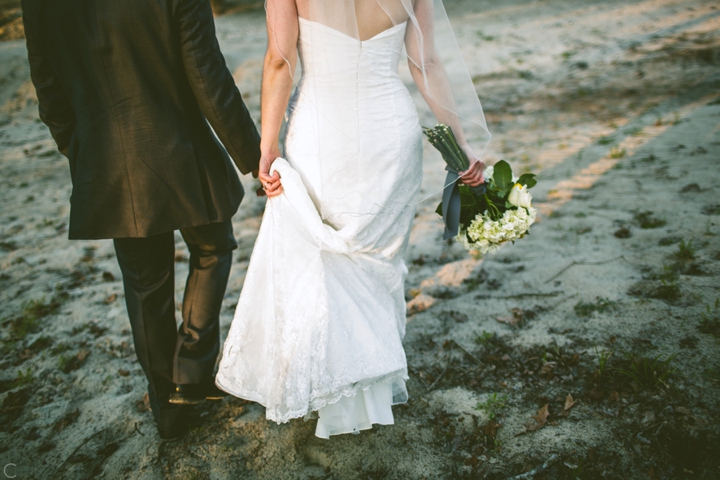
x=435, y=65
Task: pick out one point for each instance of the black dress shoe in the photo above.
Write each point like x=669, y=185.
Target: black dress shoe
x=195, y=393
x=173, y=421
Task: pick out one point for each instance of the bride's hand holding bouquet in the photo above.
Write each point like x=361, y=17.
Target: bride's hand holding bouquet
x=481, y=216
x=474, y=176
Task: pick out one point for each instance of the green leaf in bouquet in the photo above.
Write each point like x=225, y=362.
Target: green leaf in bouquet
x=467, y=215
x=504, y=193
x=467, y=197
x=467, y=202
x=502, y=176
x=500, y=195
x=527, y=179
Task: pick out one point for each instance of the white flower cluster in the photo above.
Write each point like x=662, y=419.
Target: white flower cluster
x=486, y=235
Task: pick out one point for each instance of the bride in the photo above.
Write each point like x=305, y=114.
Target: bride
x=321, y=318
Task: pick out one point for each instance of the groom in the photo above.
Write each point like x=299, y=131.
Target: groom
x=127, y=88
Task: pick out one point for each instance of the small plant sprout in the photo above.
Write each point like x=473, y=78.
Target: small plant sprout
x=686, y=251
x=617, y=152
x=635, y=131
x=484, y=338
x=649, y=372
x=23, y=378
x=601, y=305
x=710, y=321
x=647, y=220
x=33, y=312
x=603, y=356
x=492, y=405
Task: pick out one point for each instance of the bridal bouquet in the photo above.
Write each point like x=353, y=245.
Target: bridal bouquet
x=482, y=218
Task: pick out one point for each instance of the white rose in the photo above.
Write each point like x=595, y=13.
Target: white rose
x=488, y=172
x=519, y=196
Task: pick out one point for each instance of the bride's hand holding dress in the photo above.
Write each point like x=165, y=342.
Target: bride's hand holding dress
x=271, y=184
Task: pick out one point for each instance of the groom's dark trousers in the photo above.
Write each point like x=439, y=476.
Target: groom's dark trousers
x=127, y=89
x=147, y=264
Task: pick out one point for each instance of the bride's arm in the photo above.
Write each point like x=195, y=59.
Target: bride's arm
x=280, y=61
x=423, y=56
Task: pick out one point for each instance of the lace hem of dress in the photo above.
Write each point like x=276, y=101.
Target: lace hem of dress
x=399, y=395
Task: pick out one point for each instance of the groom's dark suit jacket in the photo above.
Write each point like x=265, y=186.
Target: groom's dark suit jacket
x=126, y=87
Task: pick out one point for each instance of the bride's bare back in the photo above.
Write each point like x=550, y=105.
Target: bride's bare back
x=369, y=18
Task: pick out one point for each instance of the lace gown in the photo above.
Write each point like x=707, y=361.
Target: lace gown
x=321, y=317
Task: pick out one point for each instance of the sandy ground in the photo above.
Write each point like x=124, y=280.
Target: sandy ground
x=587, y=350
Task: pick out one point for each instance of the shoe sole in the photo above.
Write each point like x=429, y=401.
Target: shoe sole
x=187, y=401
x=184, y=401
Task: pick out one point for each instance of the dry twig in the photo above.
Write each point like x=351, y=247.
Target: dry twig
x=468, y=353
x=548, y=463
x=520, y=295
x=575, y=262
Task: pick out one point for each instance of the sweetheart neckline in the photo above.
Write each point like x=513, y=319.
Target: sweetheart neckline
x=353, y=38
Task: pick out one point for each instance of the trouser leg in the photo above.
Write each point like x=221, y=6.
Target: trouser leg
x=198, y=340
x=147, y=266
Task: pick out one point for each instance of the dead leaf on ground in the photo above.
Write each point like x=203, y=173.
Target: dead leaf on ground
x=66, y=420
x=513, y=320
x=143, y=405
x=547, y=369
x=569, y=403
x=108, y=277
x=490, y=429
x=459, y=317
x=25, y=354
x=573, y=361
x=597, y=393
x=123, y=373
x=110, y=299
x=82, y=354
x=540, y=419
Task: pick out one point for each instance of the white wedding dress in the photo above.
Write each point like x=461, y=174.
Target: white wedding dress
x=321, y=318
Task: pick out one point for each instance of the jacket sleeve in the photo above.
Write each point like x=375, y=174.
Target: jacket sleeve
x=54, y=106
x=213, y=85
